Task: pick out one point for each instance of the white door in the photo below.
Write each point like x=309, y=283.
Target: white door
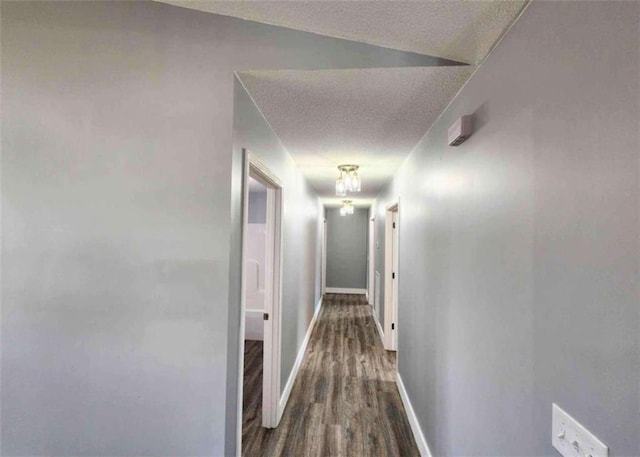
x=394, y=278
x=270, y=321
x=391, y=275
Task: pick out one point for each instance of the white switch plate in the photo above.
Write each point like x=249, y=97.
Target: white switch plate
x=571, y=439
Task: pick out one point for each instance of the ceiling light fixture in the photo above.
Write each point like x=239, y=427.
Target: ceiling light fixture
x=348, y=181
x=347, y=207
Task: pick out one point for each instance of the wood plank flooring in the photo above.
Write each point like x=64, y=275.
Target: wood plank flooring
x=344, y=402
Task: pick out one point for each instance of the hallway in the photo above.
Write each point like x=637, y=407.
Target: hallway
x=344, y=401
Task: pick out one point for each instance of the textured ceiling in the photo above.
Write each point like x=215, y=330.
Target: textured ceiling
x=460, y=30
x=371, y=117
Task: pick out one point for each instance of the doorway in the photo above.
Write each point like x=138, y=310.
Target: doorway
x=324, y=256
x=259, y=383
x=371, y=262
x=391, y=264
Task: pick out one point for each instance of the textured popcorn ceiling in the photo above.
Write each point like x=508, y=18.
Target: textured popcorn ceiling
x=460, y=30
x=371, y=117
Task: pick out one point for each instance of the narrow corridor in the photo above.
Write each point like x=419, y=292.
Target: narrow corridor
x=344, y=401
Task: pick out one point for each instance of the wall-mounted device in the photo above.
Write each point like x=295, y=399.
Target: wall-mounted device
x=460, y=130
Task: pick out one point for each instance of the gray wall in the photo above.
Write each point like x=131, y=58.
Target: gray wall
x=347, y=249
x=257, y=207
x=121, y=222
x=519, y=250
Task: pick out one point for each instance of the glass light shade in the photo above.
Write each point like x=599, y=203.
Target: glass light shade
x=355, y=182
x=343, y=211
x=348, y=182
x=341, y=190
x=350, y=209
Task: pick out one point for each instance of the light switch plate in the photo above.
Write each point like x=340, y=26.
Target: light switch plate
x=571, y=439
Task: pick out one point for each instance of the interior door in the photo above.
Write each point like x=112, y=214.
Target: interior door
x=395, y=276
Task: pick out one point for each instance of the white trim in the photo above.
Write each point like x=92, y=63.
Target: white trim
x=372, y=261
x=390, y=302
x=343, y=290
x=421, y=441
x=378, y=326
x=324, y=255
x=243, y=298
x=296, y=366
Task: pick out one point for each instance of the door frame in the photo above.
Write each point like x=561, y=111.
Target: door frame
x=391, y=293
x=254, y=168
x=372, y=261
x=324, y=256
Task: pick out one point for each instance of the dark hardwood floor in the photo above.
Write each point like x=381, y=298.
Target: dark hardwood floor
x=252, y=395
x=344, y=402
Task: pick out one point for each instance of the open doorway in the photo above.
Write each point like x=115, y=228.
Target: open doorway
x=391, y=257
x=371, y=262
x=261, y=297
x=324, y=256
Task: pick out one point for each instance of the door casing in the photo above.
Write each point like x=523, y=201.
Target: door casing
x=273, y=292
x=391, y=274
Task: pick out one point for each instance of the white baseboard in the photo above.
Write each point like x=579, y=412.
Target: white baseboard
x=378, y=326
x=296, y=366
x=421, y=441
x=342, y=290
